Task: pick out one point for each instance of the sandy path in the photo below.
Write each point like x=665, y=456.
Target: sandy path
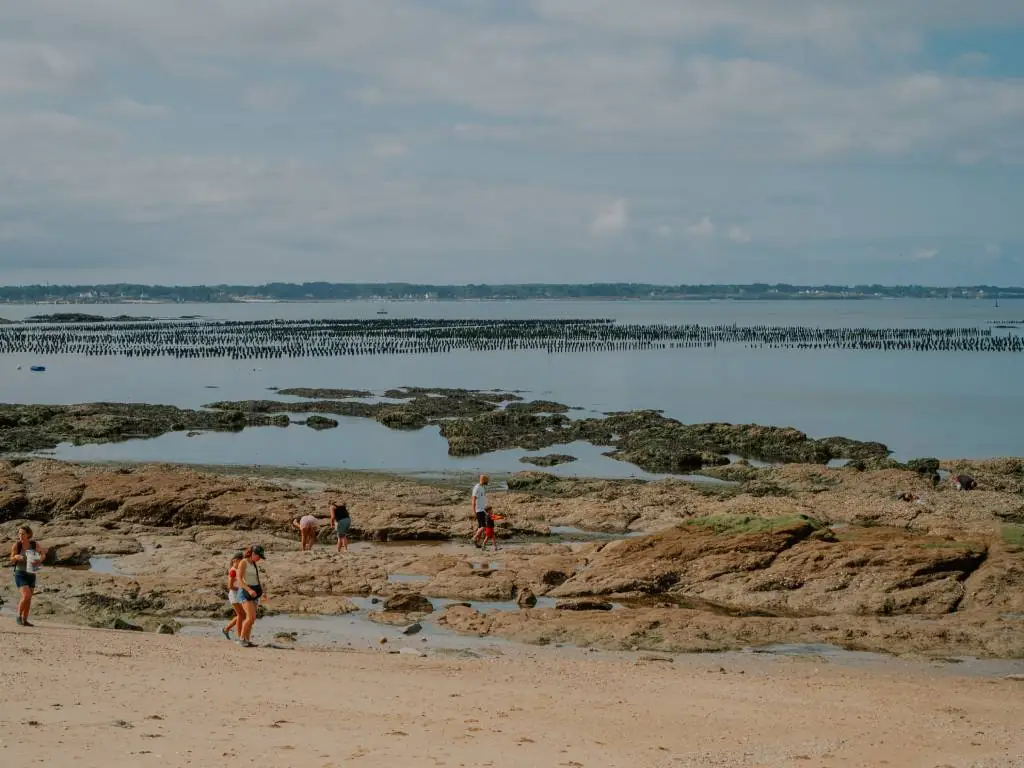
x=100, y=698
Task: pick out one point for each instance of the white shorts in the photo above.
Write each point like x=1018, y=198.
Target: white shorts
x=233, y=596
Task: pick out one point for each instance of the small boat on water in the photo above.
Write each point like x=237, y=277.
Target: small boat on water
x=37, y=368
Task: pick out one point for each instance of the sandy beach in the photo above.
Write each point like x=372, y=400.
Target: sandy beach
x=88, y=697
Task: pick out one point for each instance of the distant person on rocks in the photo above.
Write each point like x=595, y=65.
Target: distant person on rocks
x=480, y=508
x=341, y=521
x=233, y=587
x=964, y=483
x=26, y=557
x=250, y=591
x=307, y=527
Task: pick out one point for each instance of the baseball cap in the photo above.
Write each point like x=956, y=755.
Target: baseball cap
x=257, y=549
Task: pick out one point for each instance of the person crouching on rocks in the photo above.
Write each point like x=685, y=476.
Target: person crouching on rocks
x=26, y=557
x=250, y=591
x=341, y=522
x=233, y=587
x=306, y=525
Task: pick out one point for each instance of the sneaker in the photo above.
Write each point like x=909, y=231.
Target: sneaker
x=476, y=544
x=24, y=623
x=246, y=644
x=20, y=622
x=227, y=635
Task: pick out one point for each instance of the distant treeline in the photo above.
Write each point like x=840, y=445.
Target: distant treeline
x=396, y=291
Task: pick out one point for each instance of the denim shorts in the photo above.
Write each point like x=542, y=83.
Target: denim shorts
x=24, y=579
x=245, y=597
x=341, y=526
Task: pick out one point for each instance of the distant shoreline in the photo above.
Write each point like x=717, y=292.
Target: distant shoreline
x=493, y=300
x=138, y=293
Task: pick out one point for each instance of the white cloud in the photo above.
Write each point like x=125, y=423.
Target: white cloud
x=738, y=235
x=972, y=61
x=272, y=97
x=541, y=125
x=702, y=230
x=34, y=67
x=129, y=108
x=606, y=75
x=611, y=219
x=389, y=149
x=925, y=254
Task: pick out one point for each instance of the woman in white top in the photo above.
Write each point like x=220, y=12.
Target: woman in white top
x=250, y=591
x=26, y=557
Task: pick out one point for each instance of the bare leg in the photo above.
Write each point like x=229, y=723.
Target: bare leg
x=25, y=602
x=237, y=619
x=343, y=543
x=249, y=607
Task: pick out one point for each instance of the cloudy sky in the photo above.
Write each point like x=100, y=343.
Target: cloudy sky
x=189, y=141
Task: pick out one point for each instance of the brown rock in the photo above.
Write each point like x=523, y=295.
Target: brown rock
x=583, y=604
x=526, y=599
x=408, y=602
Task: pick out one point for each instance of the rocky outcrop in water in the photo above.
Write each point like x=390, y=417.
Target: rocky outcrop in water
x=550, y=460
x=323, y=394
x=321, y=422
x=473, y=423
x=25, y=428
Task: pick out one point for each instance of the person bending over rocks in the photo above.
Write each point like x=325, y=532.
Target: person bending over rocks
x=341, y=522
x=26, y=557
x=233, y=587
x=964, y=483
x=250, y=591
x=480, y=508
x=307, y=527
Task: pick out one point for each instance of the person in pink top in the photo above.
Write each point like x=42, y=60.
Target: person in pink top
x=307, y=527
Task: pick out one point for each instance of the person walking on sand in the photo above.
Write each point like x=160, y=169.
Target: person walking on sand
x=341, y=522
x=306, y=525
x=250, y=591
x=233, y=587
x=26, y=557
x=480, y=508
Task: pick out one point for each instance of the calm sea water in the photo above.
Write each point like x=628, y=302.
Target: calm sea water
x=919, y=403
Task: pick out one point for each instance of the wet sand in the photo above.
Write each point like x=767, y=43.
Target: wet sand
x=89, y=697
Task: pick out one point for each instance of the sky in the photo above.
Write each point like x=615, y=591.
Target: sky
x=489, y=141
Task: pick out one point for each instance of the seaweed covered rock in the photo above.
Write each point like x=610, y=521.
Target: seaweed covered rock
x=321, y=422
x=550, y=460
x=25, y=428
x=401, y=418
x=323, y=394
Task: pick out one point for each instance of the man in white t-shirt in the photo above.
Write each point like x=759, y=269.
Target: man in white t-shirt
x=480, y=508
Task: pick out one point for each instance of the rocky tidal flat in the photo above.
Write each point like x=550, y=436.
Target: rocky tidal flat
x=472, y=423
x=798, y=553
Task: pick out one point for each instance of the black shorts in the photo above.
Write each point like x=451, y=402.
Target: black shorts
x=481, y=519
x=24, y=579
